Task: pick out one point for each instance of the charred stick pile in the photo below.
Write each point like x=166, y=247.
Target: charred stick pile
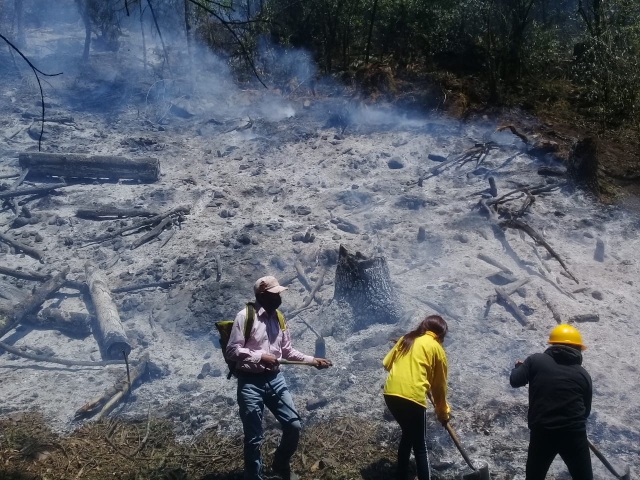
x=104, y=320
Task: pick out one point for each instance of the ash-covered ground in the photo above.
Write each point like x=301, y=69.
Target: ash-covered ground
x=261, y=169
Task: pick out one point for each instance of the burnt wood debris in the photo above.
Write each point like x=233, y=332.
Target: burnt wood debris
x=337, y=292
x=105, y=322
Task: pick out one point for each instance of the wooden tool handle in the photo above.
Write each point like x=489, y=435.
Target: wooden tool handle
x=293, y=362
x=604, y=461
x=455, y=439
x=462, y=451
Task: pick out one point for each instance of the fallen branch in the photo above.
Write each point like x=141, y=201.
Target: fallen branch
x=493, y=262
x=110, y=398
x=24, y=274
x=13, y=188
x=32, y=252
x=538, y=189
x=522, y=136
x=520, y=225
x=168, y=237
x=183, y=209
x=301, y=276
x=32, y=303
x=112, y=213
x=509, y=290
x=514, y=307
x=309, y=299
x=132, y=288
x=74, y=324
x=556, y=315
x=157, y=230
x=437, y=308
x=31, y=190
x=59, y=361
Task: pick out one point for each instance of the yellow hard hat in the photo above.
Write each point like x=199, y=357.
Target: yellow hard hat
x=566, y=335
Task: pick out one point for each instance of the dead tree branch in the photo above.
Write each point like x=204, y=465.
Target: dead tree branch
x=526, y=228
x=164, y=49
x=35, y=72
x=59, y=361
x=226, y=24
x=32, y=252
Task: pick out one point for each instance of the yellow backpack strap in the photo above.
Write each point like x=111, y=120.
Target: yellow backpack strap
x=250, y=315
x=281, y=320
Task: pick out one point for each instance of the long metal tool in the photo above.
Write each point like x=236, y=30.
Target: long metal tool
x=625, y=476
x=481, y=473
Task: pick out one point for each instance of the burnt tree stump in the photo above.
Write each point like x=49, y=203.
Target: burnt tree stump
x=584, y=163
x=365, y=284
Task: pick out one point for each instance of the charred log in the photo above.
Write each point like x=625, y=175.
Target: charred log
x=74, y=324
x=365, y=284
x=111, y=332
x=87, y=166
x=112, y=213
x=32, y=303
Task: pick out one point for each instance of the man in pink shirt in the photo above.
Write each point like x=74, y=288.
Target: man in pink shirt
x=260, y=382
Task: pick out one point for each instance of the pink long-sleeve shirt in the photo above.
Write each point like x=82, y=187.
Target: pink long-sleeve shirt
x=266, y=337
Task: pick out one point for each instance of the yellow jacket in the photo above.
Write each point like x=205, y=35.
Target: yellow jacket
x=422, y=368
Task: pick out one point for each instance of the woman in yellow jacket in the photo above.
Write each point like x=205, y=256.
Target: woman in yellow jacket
x=417, y=364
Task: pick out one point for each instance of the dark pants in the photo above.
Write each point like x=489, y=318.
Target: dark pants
x=254, y=392
x=572, y=447
x=413, y=423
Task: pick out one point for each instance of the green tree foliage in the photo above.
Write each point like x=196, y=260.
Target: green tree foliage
x=507, y=45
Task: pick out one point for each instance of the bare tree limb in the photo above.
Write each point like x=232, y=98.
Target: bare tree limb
x=227, y=25
x=164, y=50
x=35, y=72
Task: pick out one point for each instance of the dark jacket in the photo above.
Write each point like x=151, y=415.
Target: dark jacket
x=559, y=389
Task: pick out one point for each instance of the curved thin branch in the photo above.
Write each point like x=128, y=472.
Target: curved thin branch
x=164, y=50
x=226, y=25
x=35, y=72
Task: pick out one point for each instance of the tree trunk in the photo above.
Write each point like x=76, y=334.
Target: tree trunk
x=19, y=17
x=373, y=19
x=83, y=8
x=144, y=42
x=187, y=28
x=584, y=163
x=74, y=165
x=365, y=284
x=111, y=332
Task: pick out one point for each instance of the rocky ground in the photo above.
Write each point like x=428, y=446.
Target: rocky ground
x=273, y=179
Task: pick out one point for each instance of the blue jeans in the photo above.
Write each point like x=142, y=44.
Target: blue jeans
x=254, y=392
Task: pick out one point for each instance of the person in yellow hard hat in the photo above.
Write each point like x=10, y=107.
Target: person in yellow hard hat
x=417, y=365
x=560, y=393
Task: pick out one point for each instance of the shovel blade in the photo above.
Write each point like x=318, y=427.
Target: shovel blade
x=480, y=474
x=626, y=475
